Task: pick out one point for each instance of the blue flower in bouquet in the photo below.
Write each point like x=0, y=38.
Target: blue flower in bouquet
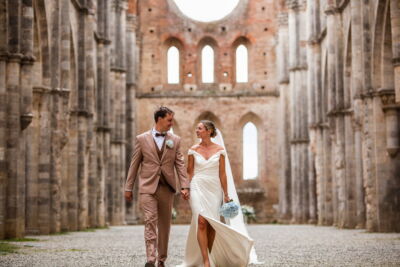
x=229, y=209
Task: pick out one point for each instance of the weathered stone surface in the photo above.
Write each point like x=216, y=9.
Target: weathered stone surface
x=276, y=245
x=62, y=155
x=354, y=135
x=79, y=79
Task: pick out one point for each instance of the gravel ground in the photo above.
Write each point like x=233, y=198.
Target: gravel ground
x=276, y=245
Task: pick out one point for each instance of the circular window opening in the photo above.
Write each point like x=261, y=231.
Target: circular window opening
x=206, y=10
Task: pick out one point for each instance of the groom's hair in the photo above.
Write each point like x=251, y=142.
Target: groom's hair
x=161, y=112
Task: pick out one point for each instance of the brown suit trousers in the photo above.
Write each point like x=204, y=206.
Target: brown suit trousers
x=156, y=188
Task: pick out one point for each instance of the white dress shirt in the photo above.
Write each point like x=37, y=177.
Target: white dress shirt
x=159, y=139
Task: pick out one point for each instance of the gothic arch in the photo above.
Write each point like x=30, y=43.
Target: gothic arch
x=257, y=121
x=242, y=40
x=324, y=87
x=347, y=87
x=208, y=115
x=381, y=46
x=207, y=40
x=168, y=43
x=252, y=117
x=42, y=28
x=387, y=68
x=73, y=82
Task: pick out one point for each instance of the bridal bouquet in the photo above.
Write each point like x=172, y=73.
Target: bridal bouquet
x=229, y=209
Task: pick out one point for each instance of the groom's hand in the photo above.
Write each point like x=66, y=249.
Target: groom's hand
x=185, y=193
x=128, y=196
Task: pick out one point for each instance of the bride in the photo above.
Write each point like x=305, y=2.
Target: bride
x=211, y=242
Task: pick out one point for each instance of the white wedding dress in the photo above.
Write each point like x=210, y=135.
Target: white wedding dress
x=232, y=246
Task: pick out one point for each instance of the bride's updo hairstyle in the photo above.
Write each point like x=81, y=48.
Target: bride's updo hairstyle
x=210, y=126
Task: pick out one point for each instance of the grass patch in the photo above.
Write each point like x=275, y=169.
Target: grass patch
x=75, y=249
x=60, y=233
x=6, y=248
x=88, y=230
x=24, y=239
x=93, y=229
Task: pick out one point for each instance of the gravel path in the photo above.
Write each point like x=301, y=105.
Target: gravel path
x=277, y=245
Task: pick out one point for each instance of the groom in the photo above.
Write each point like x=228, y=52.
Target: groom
x=158, y=153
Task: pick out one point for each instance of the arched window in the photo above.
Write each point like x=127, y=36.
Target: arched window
x=241, y=64
x=207, y=64
x=250, y=151
x=173, y=65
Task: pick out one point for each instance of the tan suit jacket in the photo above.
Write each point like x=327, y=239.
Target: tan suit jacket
x=145, y=156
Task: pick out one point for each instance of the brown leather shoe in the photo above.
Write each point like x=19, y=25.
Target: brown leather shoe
x=160, y=264
x=149, y=264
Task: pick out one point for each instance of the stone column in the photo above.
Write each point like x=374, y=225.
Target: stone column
x=131, y=84
x=15, y=158
x=299, y=130
x=313, y=56
x=3, y=115
x=83, y=114
x=285, y=125
x=343, y=131
x=55, y=163
x=26, y=103
x=118, y=114
x=368, y=167
x=388, y=165
x=357, y=88
x=44, y=161
x=336, y=148
x=107, y=111
x=292, y=22
x=3, y=142
x=91, y=141
x=73, y=160
x=65, y=88
x=303, y=119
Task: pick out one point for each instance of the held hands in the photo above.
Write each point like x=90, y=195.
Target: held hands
x=185, y=193
x=128, y=196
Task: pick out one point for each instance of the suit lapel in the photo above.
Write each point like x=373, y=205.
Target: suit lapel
x=167, y=137
x=152, y=145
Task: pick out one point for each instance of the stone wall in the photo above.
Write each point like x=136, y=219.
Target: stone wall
x=80, y=78
x=63, y=118
x=343, y=87
x=226, y=102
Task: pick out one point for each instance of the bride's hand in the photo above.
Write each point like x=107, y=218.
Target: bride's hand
x=226, y=198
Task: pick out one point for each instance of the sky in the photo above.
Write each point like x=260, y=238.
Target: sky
x=206, y=10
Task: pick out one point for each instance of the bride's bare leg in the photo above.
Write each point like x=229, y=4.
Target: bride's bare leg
x=210, y=237
x=202, y=238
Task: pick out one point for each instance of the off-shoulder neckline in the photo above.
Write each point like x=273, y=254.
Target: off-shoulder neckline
x=210, y=156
